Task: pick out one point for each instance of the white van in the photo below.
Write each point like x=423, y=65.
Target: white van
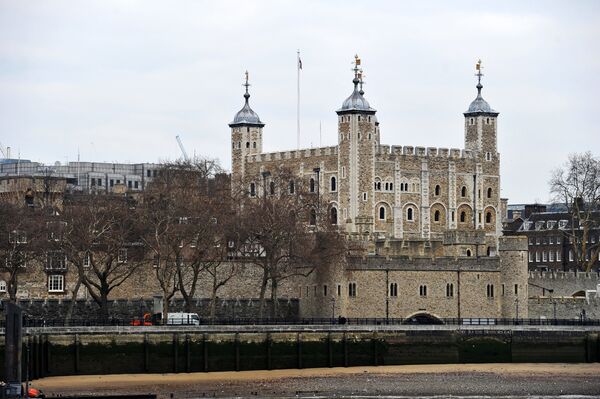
x=183, y=319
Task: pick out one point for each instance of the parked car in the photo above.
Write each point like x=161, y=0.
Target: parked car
x=183, y=319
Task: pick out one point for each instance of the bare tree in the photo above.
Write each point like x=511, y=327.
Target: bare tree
x=21, y=243
x=577, y=185
x=286, y=230
x=101, y=238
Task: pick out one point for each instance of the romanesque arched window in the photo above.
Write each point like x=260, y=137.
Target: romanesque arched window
x=463, y=191
x=272, y=188
x=436, y=216
x=382, y=213
x=409, y=214
x=437, y=190
x=449, y=290
x=423, y=290
x=254, y=144
x=252, y=190
x=333, y=183
x=489, y=192
x=247, y=144
x=312, y=219
x=463, y=216
x=490, y=290
x=488, y=217
x=311, y=185
x=334, y=215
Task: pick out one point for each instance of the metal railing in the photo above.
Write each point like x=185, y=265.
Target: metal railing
x=376, y=321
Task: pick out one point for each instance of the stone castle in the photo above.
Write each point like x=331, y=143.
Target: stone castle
x=431, y=217
x=427, y=220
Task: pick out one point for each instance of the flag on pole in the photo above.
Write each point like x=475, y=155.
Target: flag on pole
x=299, y=63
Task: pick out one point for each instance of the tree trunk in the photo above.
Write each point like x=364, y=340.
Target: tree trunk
x=213, y=304
x=263, y=290
x=165, y=309
x=69, y=314
x=274, y=312
x=104, y=306
x=12, y=288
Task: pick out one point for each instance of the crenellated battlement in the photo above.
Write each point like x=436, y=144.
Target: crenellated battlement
x=293, y=154
x=453, y=153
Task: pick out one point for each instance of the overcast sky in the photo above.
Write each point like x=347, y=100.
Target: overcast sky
x=118, y=80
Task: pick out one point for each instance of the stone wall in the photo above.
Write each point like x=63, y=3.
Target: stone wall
x=563, y=283
x=564, y=308
x=55, y=309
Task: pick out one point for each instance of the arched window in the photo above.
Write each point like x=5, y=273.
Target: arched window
x=436, y=216
x=334, y=217
x=468, y=252
x=312, y=220
x=463, y=191
x=272, y=188
x=247, y=144
x=254, y=144
x=409, y=214
x=333, y=183
x=488, y=217
x=312, y=185
x=437, y=190
x=463, y=216
x=382, y=213
x=378, y=186
x=252, y=190
x=422, y=290
x=489, y=192
x=391, y=186
x=292, y=187
x=490, y=290
x=449, y=290
x=394, y=289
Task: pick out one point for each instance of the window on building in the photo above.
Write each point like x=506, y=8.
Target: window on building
x=148, y=173
x=129, y=184
x=490, y=290
x=437, y=190
x=352, y=289
x=112, y=182
x=312, y=219
x=551, y=240
x=136, y=184
x=550, y=256
x=436, y=216
x=272, y=188
x=334, y=215
x=530, y=256
x=56, y=283
x=87, y=260
x=2, y=286
x=463, y=191
x=382, y=213
x=343, y=172
x=291, y=187
x=537, y=256
x=463, y=216
x=247, y=144
x=333, y=184
x=531, y=241
x=516, y=289
x=488, y=217
x=252, y=190
x=99, y=182
x=558, y=255
x=118, y=181
x=364, y=196
x=409, y=214
x=56, y=260
x=423, y=290
x=544, y=256
x=469, y=252
x=449, y=290
x=394, y=289
x=339, y=290
x=453, y=216
x=311, y=185
x=17, y=237
x=502, y=289
x=122, y=255
x=571, y=255
x=254, y=144
x=489, y=192
x=325, y=290
x=93, y=182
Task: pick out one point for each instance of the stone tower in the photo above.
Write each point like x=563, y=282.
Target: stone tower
x=246, y=137
x=358, y=135
x=480, y=124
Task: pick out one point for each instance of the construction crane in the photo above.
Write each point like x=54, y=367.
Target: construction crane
x=185, y=155
x=5, y=151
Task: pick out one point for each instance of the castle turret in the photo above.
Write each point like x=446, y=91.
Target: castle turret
x=358, y=131
x=480, y=124
x=246, y=136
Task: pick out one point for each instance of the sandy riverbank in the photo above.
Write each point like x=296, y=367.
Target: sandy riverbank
x=411, y=380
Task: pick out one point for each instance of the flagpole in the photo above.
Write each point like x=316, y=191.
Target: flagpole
x=298, y=98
